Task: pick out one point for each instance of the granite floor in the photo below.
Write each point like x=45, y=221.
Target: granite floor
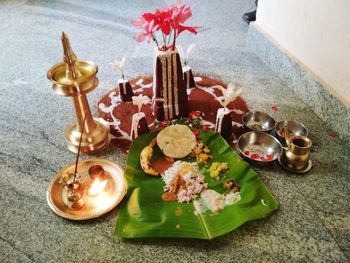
x=313, y=223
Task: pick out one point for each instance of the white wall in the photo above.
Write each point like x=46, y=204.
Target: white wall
x=315, y=32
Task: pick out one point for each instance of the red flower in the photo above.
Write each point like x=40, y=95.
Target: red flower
x=143, y=20
x=196, y=133
x=195, y=114
x=149, y=29
x=205, y=128
x=275, y=108
x=167, y=20
x=255, y=156
x=139, y=23
x=191, y=115
x=180, y=13
x=182, y=28
x=163, y=19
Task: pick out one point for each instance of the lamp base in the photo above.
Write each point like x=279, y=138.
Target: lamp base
x=92, y=142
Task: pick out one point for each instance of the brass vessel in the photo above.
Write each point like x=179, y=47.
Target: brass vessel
x=297, y=152
x=75, y=78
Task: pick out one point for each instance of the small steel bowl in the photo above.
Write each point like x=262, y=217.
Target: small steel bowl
x=294, y=128
x=259, y=148
x=258, y=121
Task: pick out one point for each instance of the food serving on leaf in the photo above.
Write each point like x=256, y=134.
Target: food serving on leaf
x=183, y=197
x=145, y=159
x=184, y=183
x=216, y=169
x=184, y=180
x=175, y=141
x=201, y=152
x=214, y=201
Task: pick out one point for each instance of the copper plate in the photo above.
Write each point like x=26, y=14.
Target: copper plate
x=95, y=206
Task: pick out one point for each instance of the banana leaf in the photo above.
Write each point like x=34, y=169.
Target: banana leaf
x=143, y=213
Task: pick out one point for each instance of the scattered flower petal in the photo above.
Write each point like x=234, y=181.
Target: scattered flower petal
x=255, y=156
x=205, y=128
x=140, y=100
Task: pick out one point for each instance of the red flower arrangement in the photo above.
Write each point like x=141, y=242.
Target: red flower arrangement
x=168, y=21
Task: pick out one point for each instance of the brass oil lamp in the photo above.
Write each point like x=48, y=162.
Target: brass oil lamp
x=75, y=78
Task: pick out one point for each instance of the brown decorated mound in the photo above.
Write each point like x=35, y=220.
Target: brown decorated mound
x=205, y=98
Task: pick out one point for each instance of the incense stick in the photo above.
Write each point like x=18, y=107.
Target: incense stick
x=78, y=154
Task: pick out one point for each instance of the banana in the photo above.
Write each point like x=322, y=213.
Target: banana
x=145, y=159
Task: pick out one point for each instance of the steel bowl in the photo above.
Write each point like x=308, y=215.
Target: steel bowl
x=258, y=121
x=259, y=148
x=294, y=129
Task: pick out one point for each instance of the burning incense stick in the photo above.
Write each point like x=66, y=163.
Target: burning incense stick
x=78, y=154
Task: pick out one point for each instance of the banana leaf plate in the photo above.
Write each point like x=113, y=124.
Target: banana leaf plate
x=143, y=213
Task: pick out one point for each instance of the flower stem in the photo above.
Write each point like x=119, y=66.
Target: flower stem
x=174, y=41
x=155, y=40
x=164, y=40
x=169, y=37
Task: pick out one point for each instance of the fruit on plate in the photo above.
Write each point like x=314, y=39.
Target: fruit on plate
x=176, y=141
x=145, y=159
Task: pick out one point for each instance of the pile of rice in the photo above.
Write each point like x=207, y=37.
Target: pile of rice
x=215, y=202
x=194, y=180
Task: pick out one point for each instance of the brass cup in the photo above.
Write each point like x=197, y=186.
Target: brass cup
x=297, y=153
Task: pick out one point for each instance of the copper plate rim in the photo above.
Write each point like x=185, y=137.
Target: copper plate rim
x=118, y=199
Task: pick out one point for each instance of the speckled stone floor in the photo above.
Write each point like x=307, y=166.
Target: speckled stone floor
x=313, y=223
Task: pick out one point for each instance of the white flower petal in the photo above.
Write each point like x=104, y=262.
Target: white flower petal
x=119, y=65
x=140, y=100
x=181, y=52
x=229, y=94
x=190, y=50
